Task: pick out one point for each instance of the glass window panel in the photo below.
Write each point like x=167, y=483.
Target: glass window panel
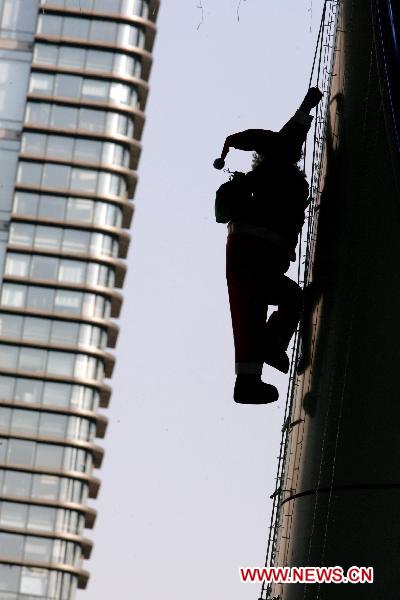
x=124, y=37
x=68, y=86
x=29, y=173
x=13, y=514
x=40, y=298
x=71, y=57
x=38, y=112
x=32, y=359
x=72, y=271
x=85, y=334
x=8, y=356
x=83, y=179
x=60, y=147
x=76, y=28
x=81, y=366
x=25, y=203
x=5, y=418
x=33, y=143
x=67, y=301
x=64, y=332
x=49, y=456
x=56, y=394
x=21, y=234
x=11, y=545
x=76, y=240
x=17, y=264
x=61, y=363
x=64, y=117
x=41, y=83
x=25, y=421
x=110, y=6
x=87, y=150
x=49, y=24
x=20, y=452
x=45, y=54
x=34, y=581
x=9, y=578
x=36, y=329
x=17, y=484
x=97, y=60
x=48, y=237
x=92, y=120
x=56, y=176
x=44, y=267
x=93, y=273
x=95, y=89
x=13, y=295
x=103, y=31
x=124, y=64
x=120, y=93
x=45, y=487
x=80, y=209
x=53, y=425
x=28, y=390
x=10, y=326
x=52, y=207
x=6, y=387
x=41, y=517
x=38, y=549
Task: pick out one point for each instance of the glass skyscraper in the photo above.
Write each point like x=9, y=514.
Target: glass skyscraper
x=73, y=88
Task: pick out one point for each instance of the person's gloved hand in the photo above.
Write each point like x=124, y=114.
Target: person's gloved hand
x=312, y=98
x=219, y=163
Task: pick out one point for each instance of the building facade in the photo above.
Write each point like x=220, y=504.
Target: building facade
x=73, y=88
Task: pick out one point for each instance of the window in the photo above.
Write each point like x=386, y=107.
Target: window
x=83, y=179
x=17, y=484
x=56, y=394
x=119, y=93
x=50, y=25
x=9, y=578
x=56, y=176
x=29, y=173
x=96, y=60
x=64, y=117
x=48, y=237
x=52, y=207
x=32, y=359
x=53, y=425
x=75, y=240
x=60, y=146
x=76, y=28
x=33, y=143
x=68, y=86
x=25, y=421
x=41, y=517
x=64, y=332
x=71, y=57
x=8, y=356
x=13, y=295
x=21, y=234
x=95, y=89
x=103, y=31
x=61, y=363
x=92, y=120
x=17, y=264
x=41, y=83
x=44, y=267
x=28, y=390
x=45, y=487
x=10, y=326
x=25, y=203
x=40, y=298
x=11, y=545
x=49, y=456
x=87, y=150
x=38, y=549
x=36, y=329
x=13, y=514
x=67, y=301
x=5, y=417
x=6, y=387
x=37, y=112
x=72, y=271
x=20, y=452
x=45, y=54
x=33, y=581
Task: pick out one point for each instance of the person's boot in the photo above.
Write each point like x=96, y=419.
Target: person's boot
x=249, y=389
x=277, y=358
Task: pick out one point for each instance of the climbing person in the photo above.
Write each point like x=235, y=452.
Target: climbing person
x=264, y=209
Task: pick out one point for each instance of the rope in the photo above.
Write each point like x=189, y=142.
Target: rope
x=319, y=135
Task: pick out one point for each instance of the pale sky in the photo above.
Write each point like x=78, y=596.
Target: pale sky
x=187, y=473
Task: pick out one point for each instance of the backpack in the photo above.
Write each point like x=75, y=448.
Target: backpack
x=230, y=198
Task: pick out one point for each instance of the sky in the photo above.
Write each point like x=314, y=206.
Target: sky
x=187, y=473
